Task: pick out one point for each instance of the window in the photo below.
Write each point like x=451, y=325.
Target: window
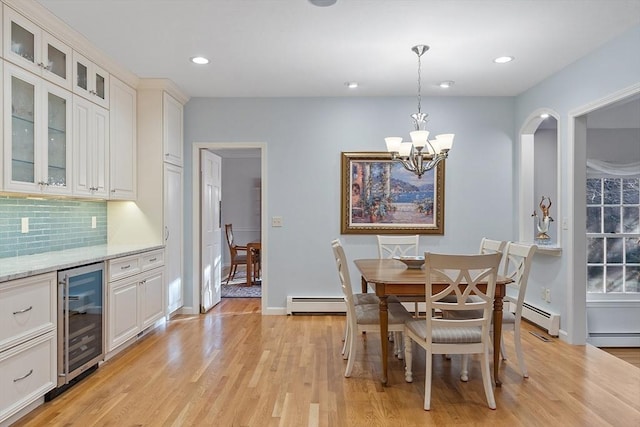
x=613, y=235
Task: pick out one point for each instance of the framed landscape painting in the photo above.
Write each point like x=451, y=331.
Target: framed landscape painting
x=379, y=196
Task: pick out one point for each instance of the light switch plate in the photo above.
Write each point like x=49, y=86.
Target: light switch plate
x=276, y=221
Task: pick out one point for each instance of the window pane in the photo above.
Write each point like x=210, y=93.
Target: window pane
x=632, y=281
x=632, y=250
x=614, y=250
x=614, y=279
x=594, y=191
x=595, y=249
x=593, y=219
x=595, y=279
x=630, y=191
x=630, y=219
x=611, y=219
x=611, y=191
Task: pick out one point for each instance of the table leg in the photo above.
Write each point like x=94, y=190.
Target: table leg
x=249, y=267
x=497, y=336
x=364, y=285
x=384, y=332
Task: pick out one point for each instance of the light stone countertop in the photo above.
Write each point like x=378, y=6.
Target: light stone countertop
x=31, y=265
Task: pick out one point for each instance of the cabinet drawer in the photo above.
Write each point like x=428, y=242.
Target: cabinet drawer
x=152, y=259
x=27, y=372
x=123, y=267
x=27, y=308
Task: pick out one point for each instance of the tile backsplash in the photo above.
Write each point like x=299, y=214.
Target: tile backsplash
x=52, y=225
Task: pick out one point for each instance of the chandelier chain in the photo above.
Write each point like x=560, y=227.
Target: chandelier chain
x=419, y=84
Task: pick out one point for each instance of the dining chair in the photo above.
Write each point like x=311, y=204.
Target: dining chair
x=439, y=335
x=364, y=317
x=517, y=264
x=238, y=255
x=398, y=246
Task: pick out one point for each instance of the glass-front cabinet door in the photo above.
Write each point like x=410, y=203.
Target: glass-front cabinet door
x=36, y=133
x=90, y=81
x=26, y=45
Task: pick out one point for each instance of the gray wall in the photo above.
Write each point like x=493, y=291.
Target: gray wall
x=304, y=138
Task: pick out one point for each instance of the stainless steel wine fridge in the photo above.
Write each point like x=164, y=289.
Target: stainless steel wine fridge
x=81, y=321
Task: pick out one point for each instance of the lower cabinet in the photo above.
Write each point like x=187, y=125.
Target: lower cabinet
x=27, y=342
x=137, y=300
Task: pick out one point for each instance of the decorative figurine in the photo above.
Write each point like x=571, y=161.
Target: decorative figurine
x=543, y=223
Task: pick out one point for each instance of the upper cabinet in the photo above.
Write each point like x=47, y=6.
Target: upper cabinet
x=122, y=150
x=172, y=131
x=32, y=48
x=90, y=149
x=37, y=128
x=90, y=81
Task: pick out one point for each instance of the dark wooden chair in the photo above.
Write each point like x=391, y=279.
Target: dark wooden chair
x=238, y=254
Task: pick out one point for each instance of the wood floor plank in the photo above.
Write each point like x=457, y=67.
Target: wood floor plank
x=235, y=367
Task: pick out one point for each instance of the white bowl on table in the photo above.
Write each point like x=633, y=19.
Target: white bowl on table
x=415, y=262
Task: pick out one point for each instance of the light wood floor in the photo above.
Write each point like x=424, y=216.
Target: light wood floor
x=235, y=367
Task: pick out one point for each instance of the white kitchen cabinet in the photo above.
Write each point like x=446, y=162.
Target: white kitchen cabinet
x=28, y=325
x=172, y=129
x=160, y=182
x=37, y=137
x=173, y=216
x=90, y=149
x=136, y=296
x=90, y=81
x=122, y=150
x=30, y=47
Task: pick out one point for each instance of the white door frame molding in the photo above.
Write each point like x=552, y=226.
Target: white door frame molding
x=576, y=300
x=195, y=241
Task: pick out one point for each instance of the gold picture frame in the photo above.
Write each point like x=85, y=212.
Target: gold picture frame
x=379, y=196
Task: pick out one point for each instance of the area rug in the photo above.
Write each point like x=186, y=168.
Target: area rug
x=237, y=289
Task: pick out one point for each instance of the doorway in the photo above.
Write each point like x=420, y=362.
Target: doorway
x=251, y=154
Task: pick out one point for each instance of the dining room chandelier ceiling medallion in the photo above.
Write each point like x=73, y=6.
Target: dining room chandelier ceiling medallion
x=421, y=154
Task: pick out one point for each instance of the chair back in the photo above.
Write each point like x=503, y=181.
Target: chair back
x=343, y=274
x=392, y=246
x=487, y=246
x=518, y=258
x=462, y=275
x=228, y=231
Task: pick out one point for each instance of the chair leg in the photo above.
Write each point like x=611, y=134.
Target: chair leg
x=518, y=345
x=428, y=365
x=464, y=372
x=486, y=380
x=351, y=353
x=503, y=352
x=408, y=360
x=345, y=339
x=398, y=346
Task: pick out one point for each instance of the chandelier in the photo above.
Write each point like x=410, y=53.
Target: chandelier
x=420, y=155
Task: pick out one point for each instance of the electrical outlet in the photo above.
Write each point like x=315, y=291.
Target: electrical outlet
x=543, y=294
x=276, y=221
x=547, y=295
x=25, y=225
x=93, y=222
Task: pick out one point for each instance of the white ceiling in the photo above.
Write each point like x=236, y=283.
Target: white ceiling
x=265, y=48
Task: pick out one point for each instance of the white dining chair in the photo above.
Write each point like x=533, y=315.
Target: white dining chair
x=399, y=246
x=438, y=335
x=517, y=265
x=365, y=317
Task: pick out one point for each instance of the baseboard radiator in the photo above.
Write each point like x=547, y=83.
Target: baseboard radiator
x=315, y=305
x=544, y=319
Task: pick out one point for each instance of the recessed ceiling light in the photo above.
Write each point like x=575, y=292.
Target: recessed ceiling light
x=200, y=60
x=351, y=85
x=322, y=3
x=503, y=59
x=447, y=84
x=544, y=116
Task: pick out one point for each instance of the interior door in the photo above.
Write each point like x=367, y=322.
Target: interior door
x=211, y=233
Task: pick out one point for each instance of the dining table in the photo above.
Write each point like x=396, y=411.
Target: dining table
x=253, y=250
x=392, y=277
